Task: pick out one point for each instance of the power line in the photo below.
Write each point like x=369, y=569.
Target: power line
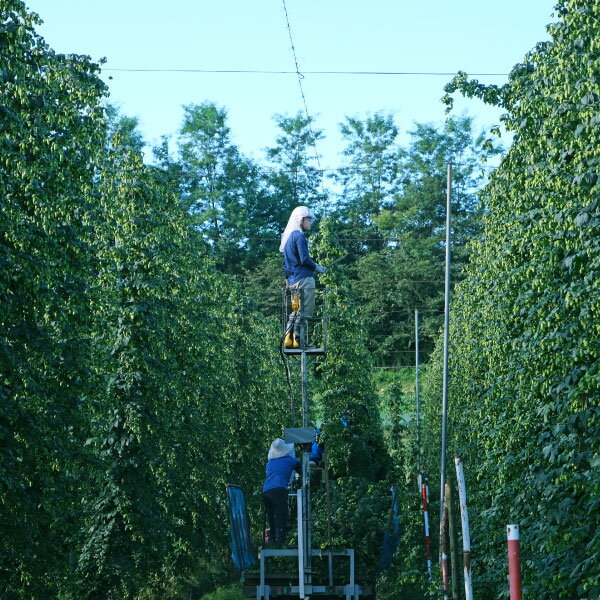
x=302, y=74
x=278, y=239
x=345, y=169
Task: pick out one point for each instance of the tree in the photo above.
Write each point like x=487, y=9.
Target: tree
x=408, y=272
x=222, y=188
x=125, y=127
x=371, y=179
x=294, y=180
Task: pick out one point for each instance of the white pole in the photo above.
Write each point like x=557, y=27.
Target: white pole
x=464, y=519
x=417, y=399
x=300, y=544
x=425, y=498
x=446, y=337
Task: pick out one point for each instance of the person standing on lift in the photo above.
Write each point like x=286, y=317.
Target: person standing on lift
x=300, y=271
x=280, y=465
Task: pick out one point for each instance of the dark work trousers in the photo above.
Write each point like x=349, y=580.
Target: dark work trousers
x=275, y=501
x=305, y=290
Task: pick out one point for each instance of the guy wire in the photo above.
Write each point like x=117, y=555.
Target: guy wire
x=300, y=78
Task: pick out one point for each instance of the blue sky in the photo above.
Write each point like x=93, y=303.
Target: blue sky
x=478, y=36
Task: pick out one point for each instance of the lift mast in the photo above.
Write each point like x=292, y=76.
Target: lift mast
x=307, y=583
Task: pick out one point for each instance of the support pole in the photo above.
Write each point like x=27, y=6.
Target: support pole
x=417, y=399
x=446, y=338
x=425, y=497
x=306, y=516
x=464, y=518
x=301, y=549
x=304, y=373
x=514, y=561
x=329, y=523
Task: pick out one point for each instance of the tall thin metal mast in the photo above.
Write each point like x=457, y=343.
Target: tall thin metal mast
x=306, y=517
x=417, y=400
x=446, y=338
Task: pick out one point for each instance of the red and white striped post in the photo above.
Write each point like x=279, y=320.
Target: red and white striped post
x=425, y=495
x=514, y=561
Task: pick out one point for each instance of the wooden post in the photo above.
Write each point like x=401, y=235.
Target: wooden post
x=444, y=547
x=452, y=534
x=464, y=518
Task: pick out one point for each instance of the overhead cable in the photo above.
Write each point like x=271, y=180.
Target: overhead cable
x=344, y=169
x=302, y=74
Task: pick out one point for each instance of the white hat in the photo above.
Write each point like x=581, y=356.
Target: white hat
x=279, y=449
x=299, y=213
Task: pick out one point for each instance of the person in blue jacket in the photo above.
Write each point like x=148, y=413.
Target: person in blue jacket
x=300, y=271
x=280, y=465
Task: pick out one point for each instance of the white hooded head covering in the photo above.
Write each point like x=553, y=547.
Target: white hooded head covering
x=279, y=449
x=299, y=213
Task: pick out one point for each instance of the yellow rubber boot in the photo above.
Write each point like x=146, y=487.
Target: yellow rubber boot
x=296, y=343
x=288, y=340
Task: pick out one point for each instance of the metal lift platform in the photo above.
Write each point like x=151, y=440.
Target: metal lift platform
x=264, y=585
x=309, y=351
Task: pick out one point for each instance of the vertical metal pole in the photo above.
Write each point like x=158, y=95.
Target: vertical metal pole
x=306, y=513
x=304, y=373
x=446, y=337
x=422, y=486
x=452, y=536
x=424, y=495
x=417, y=399
x=327, y=497
x=325, y=322
x=262, y=575
x=306, y=517
x=284, y=309
x=464, y=517
x=514, y=561
x=300, y=509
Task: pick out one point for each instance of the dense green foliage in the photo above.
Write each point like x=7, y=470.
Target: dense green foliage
x=47, y=163
x=525, y=354
x=128, y=363
x=356, y=455
x=139, y=329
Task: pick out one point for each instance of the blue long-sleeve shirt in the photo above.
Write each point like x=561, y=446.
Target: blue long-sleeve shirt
x=279, y=471
x=297, y=263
